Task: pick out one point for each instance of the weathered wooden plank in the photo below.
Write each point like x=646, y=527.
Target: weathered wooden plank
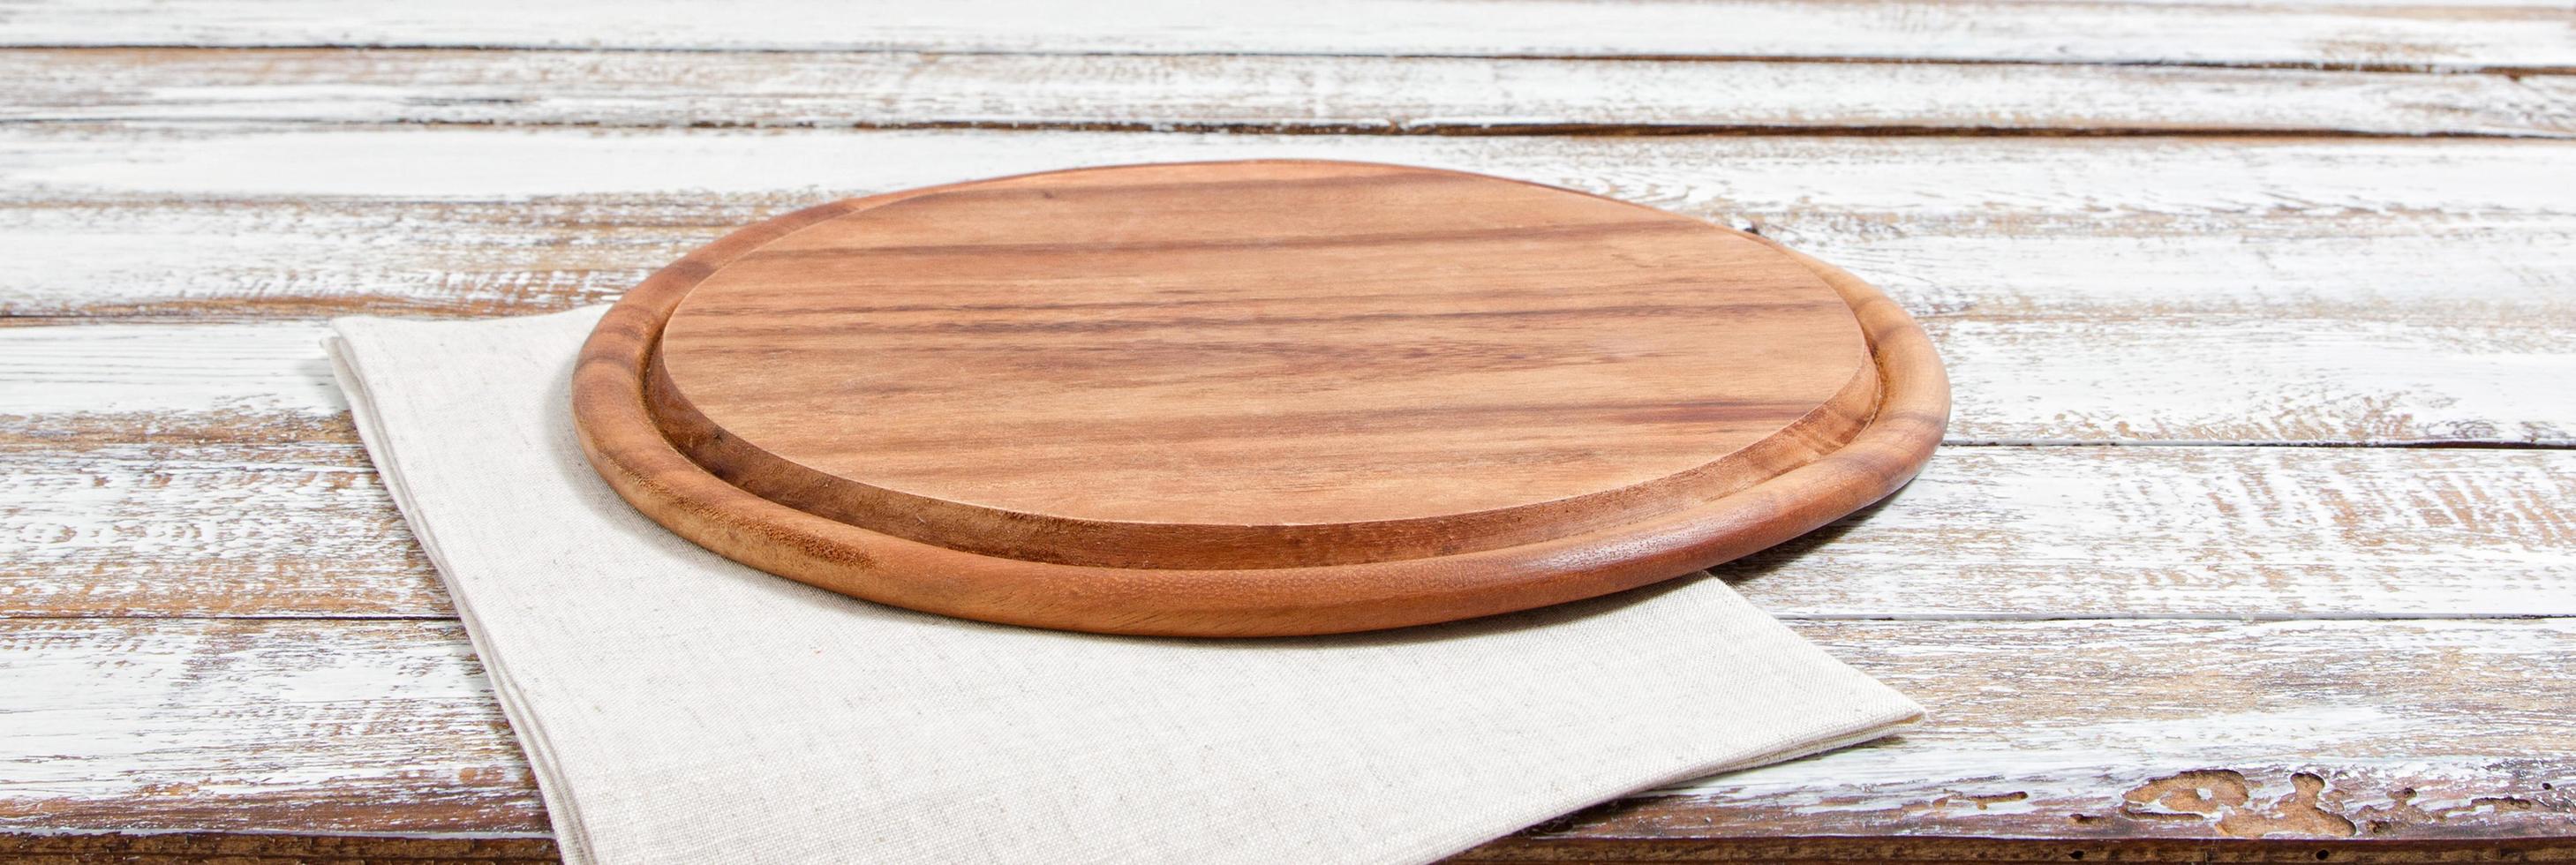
x=2052, y=730
x=149, y=509
x=2307, y=374
x=255, y=372
x=337, y=726
x=1889, y=850
x=187, y=848
x=243, y=848
x=2288, y=290
x=2097, y=729
x=134, y=214
x=2401, y=33
x=1254, y=93
x=235, y=529
x=2299, y=180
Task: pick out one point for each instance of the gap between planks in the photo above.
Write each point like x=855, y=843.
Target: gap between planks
x=219, y=518
x=1475, y=130
x=1146, y=53
x=2502, y=35
x=2381, y=291
x=2417, y=730
x=2248, y=618
x=1260, y=94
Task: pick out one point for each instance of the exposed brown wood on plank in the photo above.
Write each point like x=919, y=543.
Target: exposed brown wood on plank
x=357, y=850
x=2289, y=290
x=1346, y=95
x=2091, y=734
x=2494, y=34
x=2405, y=297
x=240, y=529
x=181, y=514
x=254, y=848
x=2270, y=717
x=1824, y=849
x=349, y=727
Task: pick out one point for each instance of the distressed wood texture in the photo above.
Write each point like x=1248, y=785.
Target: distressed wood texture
x=1342, y=94
x=2081, y=732
x=210, y=470
x=2172, y=222
x=2411, y=34
x=2289, y=290
x=152, y=514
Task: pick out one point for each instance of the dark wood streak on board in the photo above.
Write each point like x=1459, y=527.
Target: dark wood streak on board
x=746, y=402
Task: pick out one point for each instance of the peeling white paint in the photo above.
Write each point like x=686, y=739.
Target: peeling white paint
x=181, y=711
x=2521, y=32
x=286, y=721
x=2250, y=291
x=155, y=368
x=2098, y=179
x=630, y=88
x=2330, y=291
x=2227, y=533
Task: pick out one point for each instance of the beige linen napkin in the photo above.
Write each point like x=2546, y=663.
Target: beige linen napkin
x=677, y=707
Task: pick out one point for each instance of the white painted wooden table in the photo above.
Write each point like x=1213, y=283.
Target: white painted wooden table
x=2254, y=538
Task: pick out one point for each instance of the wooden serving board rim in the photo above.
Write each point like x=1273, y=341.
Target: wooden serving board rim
x=626, y=444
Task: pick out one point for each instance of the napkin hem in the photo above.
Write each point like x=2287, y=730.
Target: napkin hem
x=563, y=816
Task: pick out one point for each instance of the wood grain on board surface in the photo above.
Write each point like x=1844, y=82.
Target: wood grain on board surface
x=1253, y=364
x=1249, y=398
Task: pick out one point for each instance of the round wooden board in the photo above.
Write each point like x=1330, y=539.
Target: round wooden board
x=1249, y=398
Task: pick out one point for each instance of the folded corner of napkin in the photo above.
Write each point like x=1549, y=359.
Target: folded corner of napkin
x=677, y=707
